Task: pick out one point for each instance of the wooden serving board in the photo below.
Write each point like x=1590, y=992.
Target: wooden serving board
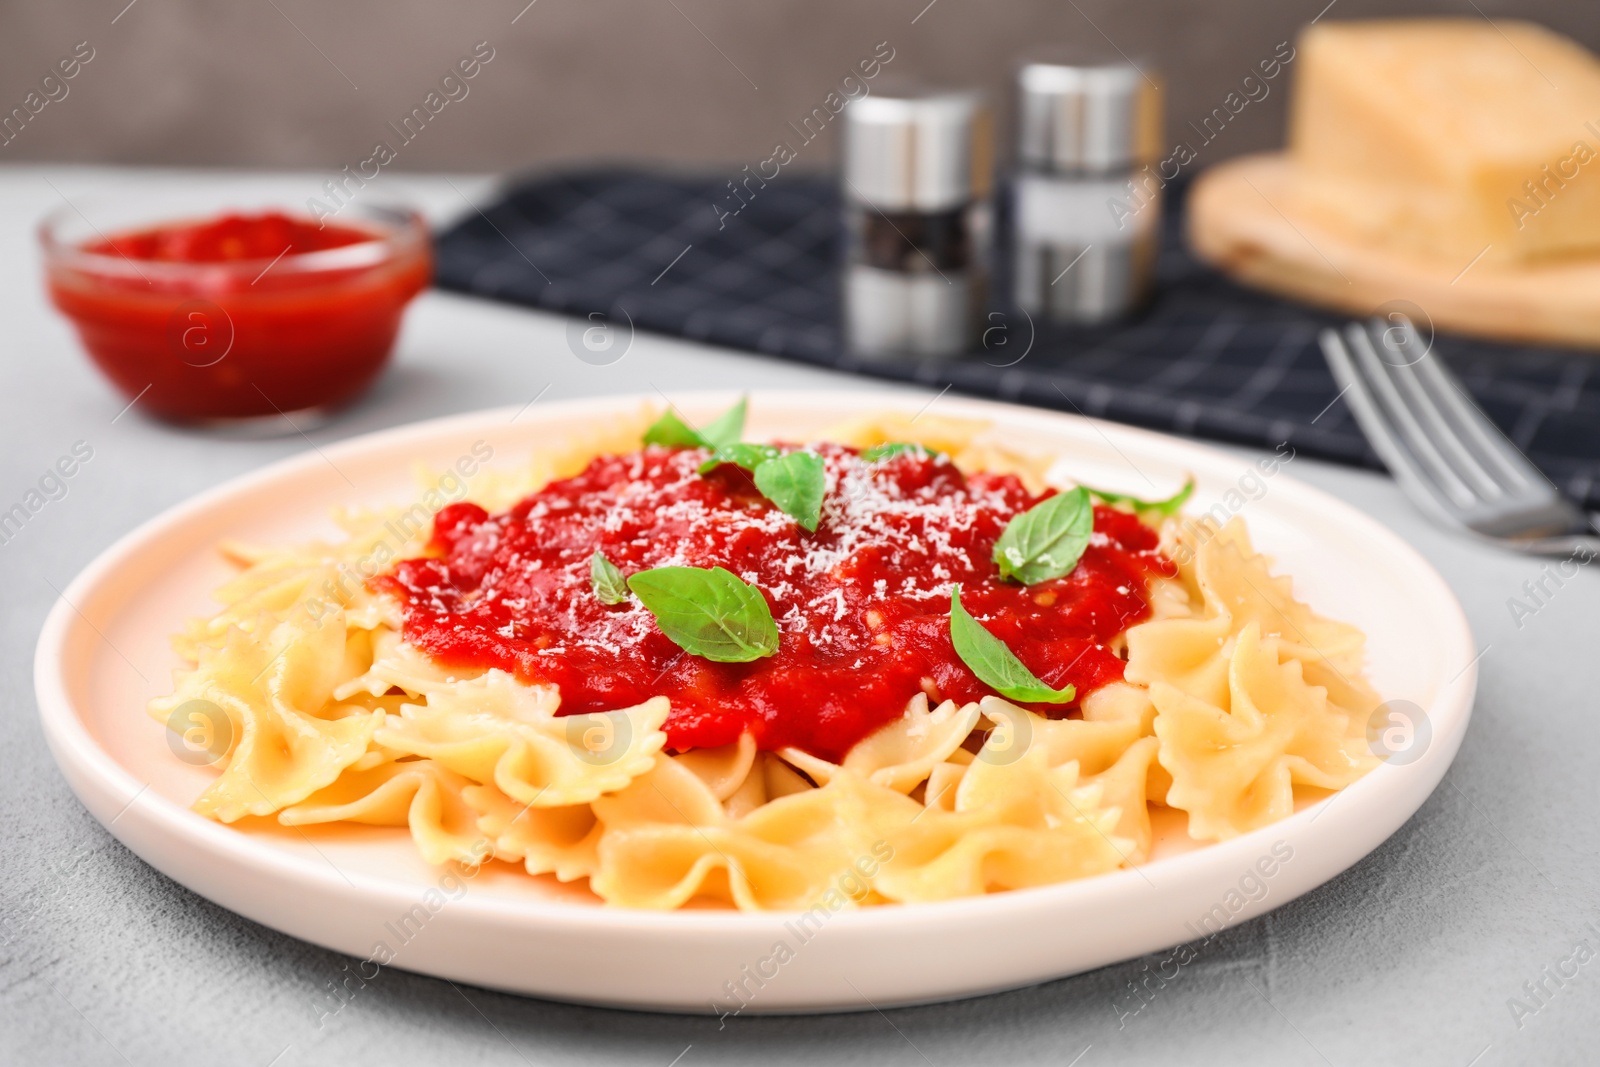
x=1241, y=221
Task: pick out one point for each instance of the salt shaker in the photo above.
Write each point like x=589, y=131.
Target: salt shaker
x=1087, y=205
x=917, y=182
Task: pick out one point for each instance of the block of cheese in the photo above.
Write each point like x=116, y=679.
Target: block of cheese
x=1449, y=136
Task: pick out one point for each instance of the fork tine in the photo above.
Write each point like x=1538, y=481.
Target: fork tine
x=1440, y=431
x=1438, y=475
x=1515, y=471
x=1526, y=512
x=1377, y=427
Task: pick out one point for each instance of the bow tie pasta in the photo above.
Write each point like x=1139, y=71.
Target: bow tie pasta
x=1197, y=685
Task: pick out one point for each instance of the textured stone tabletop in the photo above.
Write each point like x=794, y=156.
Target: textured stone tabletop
x=1419, y=955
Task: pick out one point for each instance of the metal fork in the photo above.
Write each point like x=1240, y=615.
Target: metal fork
x=1447, y=456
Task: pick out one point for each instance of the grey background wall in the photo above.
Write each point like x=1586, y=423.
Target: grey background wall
x=297, y=83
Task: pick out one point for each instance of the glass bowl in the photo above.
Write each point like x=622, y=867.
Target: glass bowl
x=239, y=338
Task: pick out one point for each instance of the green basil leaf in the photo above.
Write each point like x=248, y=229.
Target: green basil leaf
x=609, y=583
x=796, y=483
x=671, y=430
x=740, y=455
x=1168, y=506
x=996, y=665
x=1047, y=540
x=890, y=449
x=708, y=612
x=725, y=429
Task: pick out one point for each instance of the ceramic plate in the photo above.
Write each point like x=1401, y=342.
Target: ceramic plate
x=364, y=891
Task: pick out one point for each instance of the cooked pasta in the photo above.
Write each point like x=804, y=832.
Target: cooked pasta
x=1224, y=698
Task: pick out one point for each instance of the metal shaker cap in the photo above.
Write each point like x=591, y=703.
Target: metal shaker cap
x=1087, y=116
x=918, y=150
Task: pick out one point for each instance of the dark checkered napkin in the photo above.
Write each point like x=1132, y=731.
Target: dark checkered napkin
x=1207, y=359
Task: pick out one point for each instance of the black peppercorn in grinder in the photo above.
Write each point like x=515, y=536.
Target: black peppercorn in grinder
x=916, y=187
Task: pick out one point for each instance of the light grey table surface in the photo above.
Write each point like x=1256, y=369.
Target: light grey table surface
x=1411, y=957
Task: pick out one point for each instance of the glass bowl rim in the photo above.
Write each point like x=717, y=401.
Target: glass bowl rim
x=405, y=232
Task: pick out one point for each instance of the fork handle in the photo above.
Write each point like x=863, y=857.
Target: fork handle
x=1563, y=545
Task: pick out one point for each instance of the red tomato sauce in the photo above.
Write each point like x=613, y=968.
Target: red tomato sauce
x=224, y=319
x=862, y=606
x=230, y=238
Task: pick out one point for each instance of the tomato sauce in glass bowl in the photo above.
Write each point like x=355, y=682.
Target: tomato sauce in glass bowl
x=238, y=315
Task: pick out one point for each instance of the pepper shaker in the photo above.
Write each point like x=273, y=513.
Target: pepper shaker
x=1087, y=207
x=917, y=178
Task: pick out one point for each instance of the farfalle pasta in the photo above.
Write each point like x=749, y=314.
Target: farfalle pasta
x=889, y=666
